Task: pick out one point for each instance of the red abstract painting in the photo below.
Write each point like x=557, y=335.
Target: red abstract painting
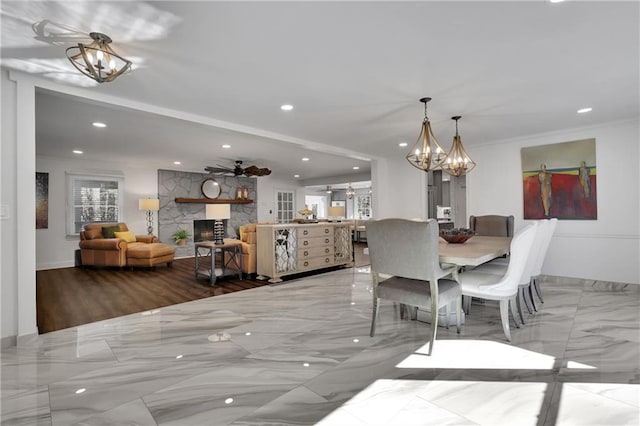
x=559, y=181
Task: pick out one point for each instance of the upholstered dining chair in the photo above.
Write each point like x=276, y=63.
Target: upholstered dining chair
x=492, y=225
x=502, y=288
x=405, y=268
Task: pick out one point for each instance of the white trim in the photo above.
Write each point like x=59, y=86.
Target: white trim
x=601, y=236
x=55, y=265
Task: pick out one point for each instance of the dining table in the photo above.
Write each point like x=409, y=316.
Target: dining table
x=473, y=252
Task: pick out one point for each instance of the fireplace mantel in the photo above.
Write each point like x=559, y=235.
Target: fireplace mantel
x=211, y=201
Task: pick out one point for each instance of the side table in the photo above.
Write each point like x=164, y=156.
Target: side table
x=205, y=258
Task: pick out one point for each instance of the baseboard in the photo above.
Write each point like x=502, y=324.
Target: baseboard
x=8, y=342
x=55, y=265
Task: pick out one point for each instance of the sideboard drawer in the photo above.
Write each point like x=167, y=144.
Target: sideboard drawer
x=315, y=231
x=316, y=262
x=304, y=243
x=306, y=253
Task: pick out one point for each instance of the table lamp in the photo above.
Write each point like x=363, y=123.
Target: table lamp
x=218, y=212
x=336, y=213
x=150, y=205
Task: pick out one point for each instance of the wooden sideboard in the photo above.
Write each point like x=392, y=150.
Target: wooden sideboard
x=287, y=249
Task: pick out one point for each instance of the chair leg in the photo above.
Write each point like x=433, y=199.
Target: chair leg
x=448, y=314
x=458, y=314
x=466, y=304
x=504, y=315
x=514, y=313
x=434, y=323
x=376, y=306
x=414, y=313
x=519, y=302
x=531, y=305
x=536, y=286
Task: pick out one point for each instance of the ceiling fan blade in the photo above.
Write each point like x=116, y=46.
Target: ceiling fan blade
x=218, y=170
x=256, y=171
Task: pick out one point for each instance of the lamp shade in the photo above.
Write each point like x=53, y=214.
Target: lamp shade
x=336, y=211
x=218, y=211
x=150, y=204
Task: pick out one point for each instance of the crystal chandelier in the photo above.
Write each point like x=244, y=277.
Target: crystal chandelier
x=426, y=154
x=350, y=191
x=98, y=60
x=458, y=162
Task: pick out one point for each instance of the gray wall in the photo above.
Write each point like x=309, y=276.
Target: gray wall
x=172, y=215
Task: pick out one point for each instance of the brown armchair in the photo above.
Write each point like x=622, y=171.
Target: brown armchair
x=249, y=248
x=97, y=250
x=492, y=225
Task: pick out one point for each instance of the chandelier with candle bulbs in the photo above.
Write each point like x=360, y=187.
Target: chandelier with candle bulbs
x=458, y=162
x=98, y=60
x=427, y=154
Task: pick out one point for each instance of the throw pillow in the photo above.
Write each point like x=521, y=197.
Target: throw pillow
x=128, y=236
x=93, y=233
x=109, y=231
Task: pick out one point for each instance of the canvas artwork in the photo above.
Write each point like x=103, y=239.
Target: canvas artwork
x=42, y=200
x=559, y=180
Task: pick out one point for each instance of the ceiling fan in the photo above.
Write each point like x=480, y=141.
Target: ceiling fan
x=238, y=170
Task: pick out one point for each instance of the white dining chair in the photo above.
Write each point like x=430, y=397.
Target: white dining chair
x=502, y=288
x=525, y=291
x=406, y=252
x=543, y=248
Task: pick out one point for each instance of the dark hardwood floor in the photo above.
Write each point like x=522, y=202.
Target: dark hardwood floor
x=69, y=297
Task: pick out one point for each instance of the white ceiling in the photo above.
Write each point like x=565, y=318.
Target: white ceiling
x=354, y=72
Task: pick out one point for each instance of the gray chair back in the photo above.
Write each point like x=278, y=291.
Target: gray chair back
x=404, y=248
x=492, y=225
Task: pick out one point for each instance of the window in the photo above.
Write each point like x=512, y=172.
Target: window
x=93, y=199
x=320, y=203
x=284, y=206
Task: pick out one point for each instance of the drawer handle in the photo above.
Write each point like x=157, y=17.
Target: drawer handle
x=305, y=232
x=306, y=253
x=326, y=250
x=326, y=240
x=306, y=243
x=326, y=230
x=306, y=263
x=326, y=260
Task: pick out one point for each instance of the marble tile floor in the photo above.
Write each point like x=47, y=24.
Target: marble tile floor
x=299, y=353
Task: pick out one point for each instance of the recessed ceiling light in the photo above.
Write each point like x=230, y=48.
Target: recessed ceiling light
x=356, y=167
x=99, y=124
x=226, y=146
x=81, y=390
x=77, y=151
x=556, y=1
x=305, y=158
x=583, y=110
x=296, y=176
x=402, y=144
x=177, y=163
x=286, y=107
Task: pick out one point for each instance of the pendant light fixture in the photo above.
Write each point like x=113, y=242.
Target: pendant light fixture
x=98, y=60
x=426, y=154
x=458, y=162
x=350, y=191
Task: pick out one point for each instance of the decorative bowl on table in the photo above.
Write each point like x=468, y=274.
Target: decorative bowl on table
x=456, y=235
